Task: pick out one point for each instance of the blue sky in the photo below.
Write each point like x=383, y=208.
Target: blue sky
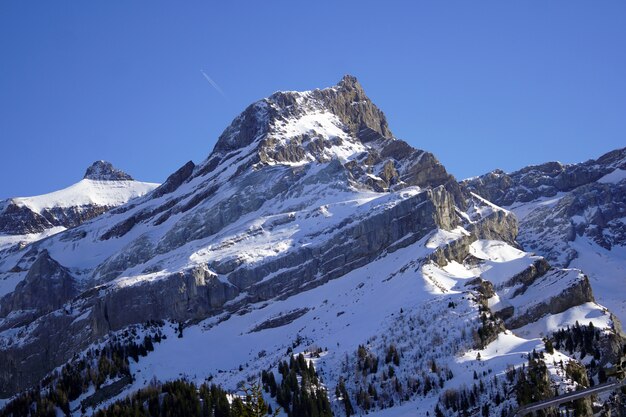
x=481, y=84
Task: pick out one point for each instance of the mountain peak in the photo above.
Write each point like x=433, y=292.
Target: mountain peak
x=346, y=101
x=350, y=82
x=105, y=171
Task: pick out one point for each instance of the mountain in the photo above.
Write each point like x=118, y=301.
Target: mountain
x=27, y=219
x=312, y=245
x=24, y=220
x=573, y=215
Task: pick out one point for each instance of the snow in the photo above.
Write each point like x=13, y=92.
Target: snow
x=322, y=121
x=501, y=261
x=522, y=210
x=487, y=205
x=496, y=251
x=317, y=124
x=613, y=177
x=583, y=314
x=346, y=312
x=7, y=241
x=545, y=288
x=8, y=282
x=442, y=237
x=88, y=192
x=506, y=350
x=607, y=273
x=208, y=348
x=255, y=238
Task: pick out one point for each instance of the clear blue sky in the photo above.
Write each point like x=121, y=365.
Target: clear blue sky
x=483, y=85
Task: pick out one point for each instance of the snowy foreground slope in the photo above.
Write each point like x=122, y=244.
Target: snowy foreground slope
x=399, y=299
x=309, y=229
x=574, y=215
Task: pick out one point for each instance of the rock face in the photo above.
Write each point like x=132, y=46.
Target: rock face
x=45, y=288
x=594, y=211
x=546, y=180
x=321, y=125
x=573, y=215
x=301, y=189
x=577, y=293
x=557, y=203
x=18, y=220
x=105, y=171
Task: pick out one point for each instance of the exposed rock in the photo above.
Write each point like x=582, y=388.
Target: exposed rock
x=483, y=287
x=595, y=210
x=350, y=248
x=46, y=287
x=106, y=392
x=580, y=205
x=575, y=295
x=19, y=220
x=528, y=276
x=52, y=338
x=198, y=293
x=175, y=180
x=262, y=218
x=544, y=180
x=105, y=171
x=281, y=320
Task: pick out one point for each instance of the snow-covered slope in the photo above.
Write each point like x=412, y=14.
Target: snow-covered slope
x=28, y=219
x=309, y=226
x=574, y=215
x=426, y=311
x=87, y=192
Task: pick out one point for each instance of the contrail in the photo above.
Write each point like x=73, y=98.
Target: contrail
x=213, y=84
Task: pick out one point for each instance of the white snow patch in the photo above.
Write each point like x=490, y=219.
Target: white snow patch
x=614, y=177
x=583, y=314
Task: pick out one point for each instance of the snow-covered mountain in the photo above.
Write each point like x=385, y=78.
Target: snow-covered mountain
x=309, y=229
x=574, y=215
x=27, y=219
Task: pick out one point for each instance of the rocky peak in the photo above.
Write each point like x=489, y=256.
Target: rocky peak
x=346, y=101
x=613, y=159
x=336, y=123
x=105, y=171
x=350, y=103
x=351, y=83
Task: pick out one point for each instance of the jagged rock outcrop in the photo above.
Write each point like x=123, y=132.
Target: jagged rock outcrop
x=545, y=180
x=45, y=288
x=356, y=125
x=594, y=211
x=578, y=293
x=105, y=171
x=588, y=199
x=17, y=220
x=175, y=180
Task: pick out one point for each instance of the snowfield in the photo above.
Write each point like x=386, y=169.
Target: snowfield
x=88, y=192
